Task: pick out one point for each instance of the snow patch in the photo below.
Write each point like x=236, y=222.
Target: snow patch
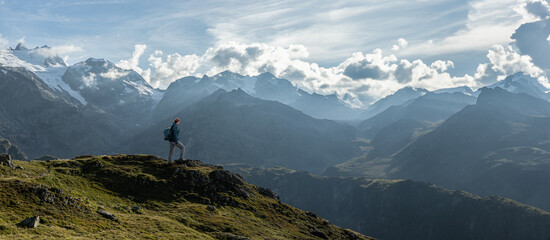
x=4, y=71
x=49, y=73
x=143, y=90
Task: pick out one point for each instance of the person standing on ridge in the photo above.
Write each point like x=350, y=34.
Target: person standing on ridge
x=173, y=138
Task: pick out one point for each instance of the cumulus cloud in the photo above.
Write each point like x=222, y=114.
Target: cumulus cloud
x=401, y=43
x=532, y=39
x=533, y=10
x=174, y=67
x=114, y=74
x=504, y=61
x=133, y=62
x=374, y=66
x=358, y=80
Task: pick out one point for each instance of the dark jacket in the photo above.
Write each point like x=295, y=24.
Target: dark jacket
x=174, y=134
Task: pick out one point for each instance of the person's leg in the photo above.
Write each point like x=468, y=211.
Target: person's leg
x=182, y=148
x=171, y=152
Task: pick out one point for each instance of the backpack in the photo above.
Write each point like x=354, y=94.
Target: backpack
x=167, y=133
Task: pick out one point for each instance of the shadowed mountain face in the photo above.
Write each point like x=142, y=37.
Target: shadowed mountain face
x=41, y=121
x=500, y=146
x=429, y=108
x=403, y=209
x=396, y=127
x=400, y=97
x=231, y=127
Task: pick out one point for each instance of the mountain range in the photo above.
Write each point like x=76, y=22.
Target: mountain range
x=492, y=141
x=499, y=146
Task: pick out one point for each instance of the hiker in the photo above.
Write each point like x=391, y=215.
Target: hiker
x=174, y=141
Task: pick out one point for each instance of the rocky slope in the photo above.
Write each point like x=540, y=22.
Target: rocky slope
x=403, y=209
x=41, y=120
x=139, y=196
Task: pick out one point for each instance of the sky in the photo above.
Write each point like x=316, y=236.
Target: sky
x=361, y=50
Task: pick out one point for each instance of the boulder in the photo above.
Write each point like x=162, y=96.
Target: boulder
x=211, y=208
x=107, y=214
x=318, y=233
x=268, y=193
x=31, y=222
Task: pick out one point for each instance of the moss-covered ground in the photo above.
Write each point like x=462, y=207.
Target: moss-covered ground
x=150, y=199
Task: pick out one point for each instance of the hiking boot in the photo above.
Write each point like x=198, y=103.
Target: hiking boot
x=181, y=160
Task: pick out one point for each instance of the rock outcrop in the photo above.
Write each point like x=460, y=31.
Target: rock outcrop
x=5, y=159
x=31, y=222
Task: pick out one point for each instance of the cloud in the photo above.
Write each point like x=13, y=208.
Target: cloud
x=374, y=66
x=114, y=74
x=401, y=43
x=489, y=22
x=532, y=39
x=56, y=50
x=21, y=40
x=133, y=62
x=358, y=80
x=90, y=80
x=174, y=67
x=504, y=61
x=533, y=10
x=4, y=43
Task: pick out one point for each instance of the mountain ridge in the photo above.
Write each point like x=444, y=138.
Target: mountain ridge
x=139, y=196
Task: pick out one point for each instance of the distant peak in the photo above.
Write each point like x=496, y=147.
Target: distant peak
x=488, y=95
x=226, y=74
x=238, y=91
x=267, y=75
x=412, y=89
x=20, y=46
x=91, y=60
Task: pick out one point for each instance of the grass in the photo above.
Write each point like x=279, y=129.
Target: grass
x=150, y=200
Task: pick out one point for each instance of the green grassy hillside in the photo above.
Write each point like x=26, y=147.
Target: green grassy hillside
x=150, y=200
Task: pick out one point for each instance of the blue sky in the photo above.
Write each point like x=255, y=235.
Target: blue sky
x=330, y=32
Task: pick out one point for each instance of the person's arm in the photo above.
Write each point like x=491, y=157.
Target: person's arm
x=176, y=133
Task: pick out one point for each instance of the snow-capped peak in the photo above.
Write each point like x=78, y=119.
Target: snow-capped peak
x=20, y=46
x=43, y=63
x=521, y=83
